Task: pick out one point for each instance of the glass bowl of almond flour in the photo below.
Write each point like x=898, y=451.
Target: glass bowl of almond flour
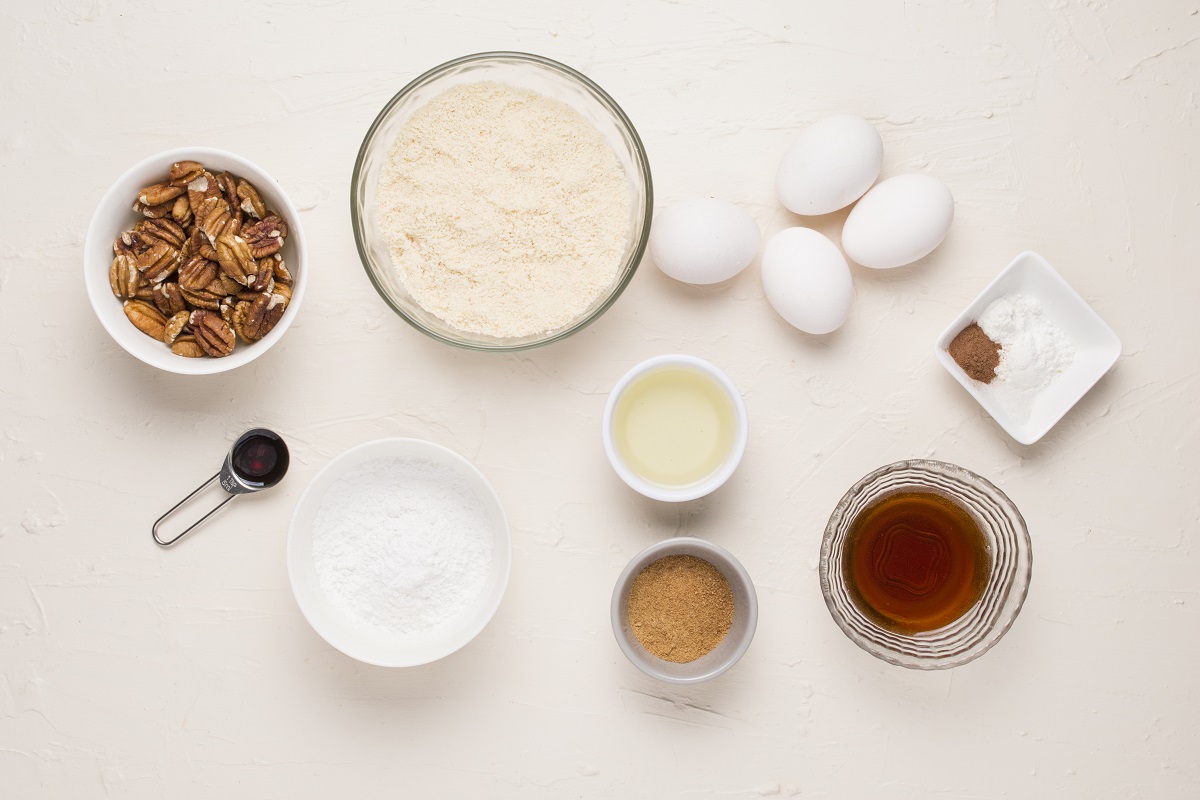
x=501, y=201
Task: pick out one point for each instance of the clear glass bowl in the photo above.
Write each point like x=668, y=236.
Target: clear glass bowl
x=972, y=634
x=526, y=71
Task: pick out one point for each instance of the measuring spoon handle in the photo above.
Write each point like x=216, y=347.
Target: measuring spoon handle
x=194, y=525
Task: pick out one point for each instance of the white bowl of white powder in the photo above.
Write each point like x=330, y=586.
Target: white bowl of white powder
x=399, y=552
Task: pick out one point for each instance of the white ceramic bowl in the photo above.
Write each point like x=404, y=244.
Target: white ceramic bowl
x=724, y=655
x=337, y=627
x=1096, y=346
x=677, y=494
x=115, y=214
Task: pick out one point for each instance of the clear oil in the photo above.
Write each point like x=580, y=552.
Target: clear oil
x=674, y=426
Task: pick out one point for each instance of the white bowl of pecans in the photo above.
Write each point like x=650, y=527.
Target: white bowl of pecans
x=195, y=261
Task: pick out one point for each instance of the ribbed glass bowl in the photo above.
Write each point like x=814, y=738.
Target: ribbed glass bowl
x=525, y=71
x=972, y=634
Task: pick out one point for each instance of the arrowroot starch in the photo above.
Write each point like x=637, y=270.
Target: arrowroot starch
x=402, y=546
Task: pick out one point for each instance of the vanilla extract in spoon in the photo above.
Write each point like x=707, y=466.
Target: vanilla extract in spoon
x=258, y=460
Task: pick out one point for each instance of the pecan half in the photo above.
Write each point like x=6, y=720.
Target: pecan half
x=265, y=237
x=258, y=318
x=181, y=212
x=130, y=242
x=169, y=299
x=227, y=183
x=175, y=325
x=163, y=230
x=236, y=259
x=264, y=279
x=124, y=276
x=280, y=267
x=226, y=309
x=237, y=320
x=184, y=172
x=202, y=299
x=158, y=262
x=153, y=212
x=226, y=285
x=215, y=219
x=159, y=193
x=146, y=318
x=249, y=200
x=188, y=347
x=201, y=245
x=284, y=291
x=197, y=272
x=212, y=333
x=200, y=189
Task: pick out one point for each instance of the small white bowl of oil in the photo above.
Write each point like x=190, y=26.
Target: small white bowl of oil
x=675, y=428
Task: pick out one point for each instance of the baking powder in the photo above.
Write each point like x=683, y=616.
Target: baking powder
x=402, y=546
x=1033, y=350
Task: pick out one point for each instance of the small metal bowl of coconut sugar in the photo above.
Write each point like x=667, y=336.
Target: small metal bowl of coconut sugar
x=501, y=201
x=399, y=552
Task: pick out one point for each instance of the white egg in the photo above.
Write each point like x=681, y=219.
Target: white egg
x=830, y=165
x=703, y=240
x=807, y=280
x=900, y=220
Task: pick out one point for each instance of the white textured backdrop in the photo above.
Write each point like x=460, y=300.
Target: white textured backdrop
x=1070, y=128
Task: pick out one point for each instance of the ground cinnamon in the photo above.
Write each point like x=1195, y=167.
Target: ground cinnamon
x=975, y=353
x=680, y=607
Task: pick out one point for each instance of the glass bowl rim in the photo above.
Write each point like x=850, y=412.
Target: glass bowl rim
x=1016, y=591
x=639, y=252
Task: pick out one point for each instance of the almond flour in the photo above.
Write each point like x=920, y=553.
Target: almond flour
x=505, y=212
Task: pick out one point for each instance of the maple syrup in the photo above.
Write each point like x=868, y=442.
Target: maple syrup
x=915, y=562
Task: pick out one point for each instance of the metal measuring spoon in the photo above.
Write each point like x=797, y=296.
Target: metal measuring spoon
x=258, y=460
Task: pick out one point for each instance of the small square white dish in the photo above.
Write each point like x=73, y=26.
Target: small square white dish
x=1096, y=346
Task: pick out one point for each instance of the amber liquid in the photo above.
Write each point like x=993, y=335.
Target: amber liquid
x=915, y=562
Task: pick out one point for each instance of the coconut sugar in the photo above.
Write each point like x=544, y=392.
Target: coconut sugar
x=680, y=608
